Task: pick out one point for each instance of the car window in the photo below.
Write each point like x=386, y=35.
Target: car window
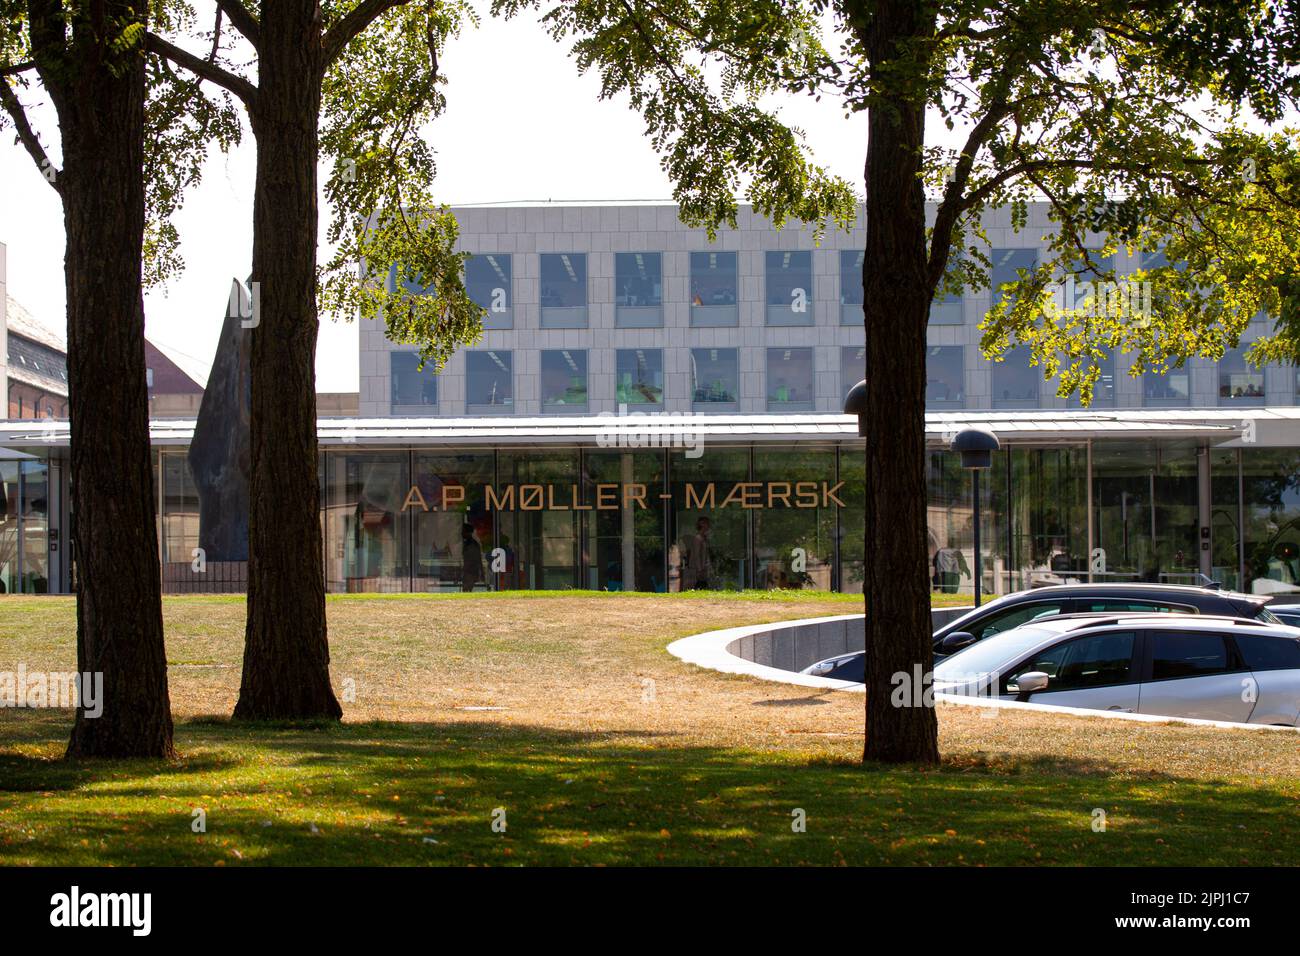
x=1181, y=654
x=1126, y=604
x=1097, y=660
x=1269, y=653
x=1013, y=617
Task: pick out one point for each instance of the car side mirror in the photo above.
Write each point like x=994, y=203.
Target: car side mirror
x=1031, y=683
x=955, y=641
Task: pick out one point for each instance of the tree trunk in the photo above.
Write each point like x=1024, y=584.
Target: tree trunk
x=286, y=649
x=899, y=725
x=100, y=103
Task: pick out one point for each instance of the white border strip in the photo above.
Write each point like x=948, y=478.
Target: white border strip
x=709, y=650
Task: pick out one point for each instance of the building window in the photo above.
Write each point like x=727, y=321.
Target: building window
x=564, y=380
x=790, y=380
x=1015, y=383
x=1240, y=383
x=853, y=366
x=945, y=376
x=1007, y=266
x=564, y=290
x=714, y=289
x=715, y=379
x=487, y=280
x=489, y=382
x=789, y=288
x=1172, y=387
x=414, y=391
x=638, y=290
x=639, y=376
x=1103, y=390
x=851, y=296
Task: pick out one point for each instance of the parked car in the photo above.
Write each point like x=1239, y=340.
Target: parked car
x=1211, y=667
x=1013, y=610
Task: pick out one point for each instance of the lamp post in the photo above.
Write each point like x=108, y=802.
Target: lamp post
x=976, y=447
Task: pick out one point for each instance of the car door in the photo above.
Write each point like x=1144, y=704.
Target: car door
x=1274, y=663
x=1195, y=674
x=1098, y=671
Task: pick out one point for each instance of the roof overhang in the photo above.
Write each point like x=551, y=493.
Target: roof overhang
x=1272, y=426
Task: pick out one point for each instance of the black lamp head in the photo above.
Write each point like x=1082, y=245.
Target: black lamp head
x=855, y=403
x=976, y=447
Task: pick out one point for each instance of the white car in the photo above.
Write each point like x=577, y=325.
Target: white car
x=1214, y=668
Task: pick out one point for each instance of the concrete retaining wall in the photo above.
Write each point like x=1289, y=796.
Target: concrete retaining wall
x=792, y=648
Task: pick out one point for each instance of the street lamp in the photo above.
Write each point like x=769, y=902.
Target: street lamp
x=976, y=447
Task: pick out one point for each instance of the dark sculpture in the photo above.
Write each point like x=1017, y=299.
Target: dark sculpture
x=219, y=454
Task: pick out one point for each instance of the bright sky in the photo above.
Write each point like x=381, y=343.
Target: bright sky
x=521, y=125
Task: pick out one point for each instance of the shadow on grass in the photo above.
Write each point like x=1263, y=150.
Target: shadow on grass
x=430, y=793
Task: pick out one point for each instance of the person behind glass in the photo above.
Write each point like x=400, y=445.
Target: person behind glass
x=697, y=564
x=949, y=568
x=471, y=559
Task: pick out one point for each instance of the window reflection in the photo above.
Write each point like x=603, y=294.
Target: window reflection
x=715, y=379
x=453, y=529
x=367, y=528
x=851, y=294
x=539, y=530
x=624, y=548
x=487, y=280
x=564, y=380
x=563, y=290
x=789, y=288
x=790, y=379
x=638, y=289
x=945, y=376
x=639, y=377
x=489, y=381
x=415, y=390
x=794, y=531
x=710, y=544
x=1240, y=383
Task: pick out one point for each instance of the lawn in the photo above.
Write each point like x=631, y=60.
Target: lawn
x=563, y=715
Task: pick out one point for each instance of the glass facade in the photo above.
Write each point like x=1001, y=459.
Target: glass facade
x=786, y=515
x=24, y=527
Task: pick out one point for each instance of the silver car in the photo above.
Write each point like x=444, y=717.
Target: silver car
x=1213, y=668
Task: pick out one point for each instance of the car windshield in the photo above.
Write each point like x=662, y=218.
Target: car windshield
x=987, y=656
x=1267, y=616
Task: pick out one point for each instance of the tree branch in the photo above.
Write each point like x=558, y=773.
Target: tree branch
x=245, y=90
x=27, y=137
x=242, y=20
x=346, y=30
x=16, y=68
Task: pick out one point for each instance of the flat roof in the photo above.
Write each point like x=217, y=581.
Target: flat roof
x=1279, y=425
